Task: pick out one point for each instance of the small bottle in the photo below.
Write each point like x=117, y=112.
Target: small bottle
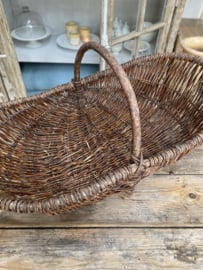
x=125, y=29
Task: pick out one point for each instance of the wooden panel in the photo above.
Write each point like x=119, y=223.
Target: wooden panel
x=190, y=164
x=4, y=83
x=159, y=200
x=139, y=25
x=167, y=18
x=96, y=249
x=169, y=47
x=10, y=72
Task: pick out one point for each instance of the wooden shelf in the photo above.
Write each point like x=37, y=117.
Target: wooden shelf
x=50, y=52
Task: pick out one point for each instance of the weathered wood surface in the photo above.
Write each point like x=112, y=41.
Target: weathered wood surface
x=162, y=200
x=173, y=32
x=102, y=249
x=190, y=164
x=11, y=80
x=167, y=19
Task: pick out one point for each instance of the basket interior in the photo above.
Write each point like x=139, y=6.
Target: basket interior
x=65, y=139
x=170, y=96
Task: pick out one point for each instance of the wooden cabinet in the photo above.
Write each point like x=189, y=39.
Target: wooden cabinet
x=160, y=19
x=165, y=16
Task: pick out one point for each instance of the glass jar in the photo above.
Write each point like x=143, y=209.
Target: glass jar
x=29, y=24
x=84, y=34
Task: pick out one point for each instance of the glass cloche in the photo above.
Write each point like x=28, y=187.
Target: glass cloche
x=30, y=27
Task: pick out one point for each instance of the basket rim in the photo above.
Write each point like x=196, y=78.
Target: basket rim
x=54, y=205
x=70, y=85
x=62, y=202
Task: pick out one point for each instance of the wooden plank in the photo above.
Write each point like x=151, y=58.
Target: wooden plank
x=190, y=164
x=159, y=200
x=166, y=18
x=111, y=4
x=3, y=84
x=169, y=47
x=104, y=30
x=139, y=25
x=96, y=249
x=10, y=71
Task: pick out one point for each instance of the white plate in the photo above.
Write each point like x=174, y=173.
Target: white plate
x=40, y=37
x=144, y=47
x=63, y=42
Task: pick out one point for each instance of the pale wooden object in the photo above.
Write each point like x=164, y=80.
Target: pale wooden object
x=11, y=83
x=139, y=25
x=102, y=249
x=110, y=19
x=159, y=201
x=104, y=29
x=175, y=24
x=167, y=19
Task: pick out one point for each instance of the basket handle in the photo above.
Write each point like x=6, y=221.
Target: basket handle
x=126, y=85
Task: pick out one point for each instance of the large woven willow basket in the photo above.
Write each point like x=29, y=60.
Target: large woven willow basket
x=81, y=141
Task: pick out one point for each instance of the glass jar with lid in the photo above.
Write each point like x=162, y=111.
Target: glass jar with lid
x=29, y=24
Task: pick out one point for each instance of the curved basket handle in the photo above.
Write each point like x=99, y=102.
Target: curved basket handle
x=126, y=85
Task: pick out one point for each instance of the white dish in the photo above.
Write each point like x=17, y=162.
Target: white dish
x=144, y=47
x=22, y=34
x=63, y=42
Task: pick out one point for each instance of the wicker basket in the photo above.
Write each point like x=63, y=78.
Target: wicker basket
x=79, y=142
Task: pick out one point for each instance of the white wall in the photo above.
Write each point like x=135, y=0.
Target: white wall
x=193, y=9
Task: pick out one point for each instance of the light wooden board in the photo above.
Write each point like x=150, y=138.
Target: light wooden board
x=9, y=67
x=190, y=164
x=161, y=201
x=102, y=249
x=173, y=32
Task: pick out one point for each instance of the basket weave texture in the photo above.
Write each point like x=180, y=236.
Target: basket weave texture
x=81, y=141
